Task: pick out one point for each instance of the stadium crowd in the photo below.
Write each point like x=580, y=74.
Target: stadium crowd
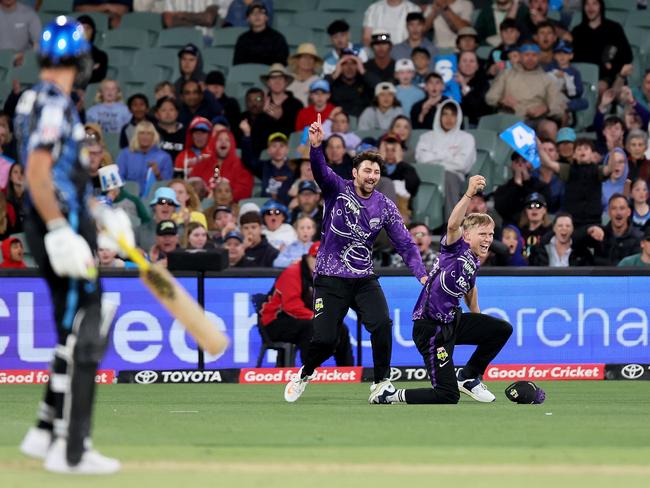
x=202, y=161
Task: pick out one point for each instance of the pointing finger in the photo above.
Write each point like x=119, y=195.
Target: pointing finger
x=318, y=119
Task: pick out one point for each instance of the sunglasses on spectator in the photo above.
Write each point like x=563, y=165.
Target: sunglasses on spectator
x=420, y=234
x=165, y=201
x=534, y=205
x=273, y=211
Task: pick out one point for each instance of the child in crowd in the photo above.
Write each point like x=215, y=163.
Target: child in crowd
x=139, y=107
x=109, y=111
x=512, y=238
x=640, y=207
x=306, y=230
x=12, y=253
x=277, y=231
x=567, y=77
x=421, y=58
x=407, y=93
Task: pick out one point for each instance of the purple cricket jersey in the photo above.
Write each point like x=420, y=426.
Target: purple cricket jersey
x=453, y=275
x=351, y=225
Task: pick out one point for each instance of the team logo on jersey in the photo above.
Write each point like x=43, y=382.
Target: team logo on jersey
x=441, y=354
x=318, y=305
x=374, y=223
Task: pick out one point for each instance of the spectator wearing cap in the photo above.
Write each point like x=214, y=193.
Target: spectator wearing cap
x=405, y=178
x=406, y=92
x=389, y=16
x=196, y=147
x=215, y=83
x=382, y=66
x=534, y=221
x=261, y=124
x=510, y=197
x=473, y=87
x=337, y=157
x=275, y=173
x=138, y=105
x=642, y=259
x=305, y=231
x=319, y=95
x=166, y=241
x=422, y=237
x=567, y=77
x=601, y=41
x=415, y=25
x=100, y=58
x=259, y=252
x=385, y=107
x=636, y=145
x=276, y=229
x=143, y=161
x=260, y=44
x=447, y=18
x=556, y=187
x=559, y=249
x=525, y=90
x=163, y=205
x=339, y=32
x=280, y=104
x=565, y=140
x=190, y=66
x=339, y=123
x=467, y=39
x=424, y=111
x=197, y=102
x=350, y=85
x=619, y=238
x=304, y=65
x=221, y=222
x=450, y=147
x=236, y=13
x=308, y=204
x=491, y=17
x=12, y=254
x=509, y=36
x=233, y=242
x=171, y=131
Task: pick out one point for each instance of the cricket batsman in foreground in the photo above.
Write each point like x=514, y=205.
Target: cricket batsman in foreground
x=61, y=219
x=343, y=277
x=440, y=324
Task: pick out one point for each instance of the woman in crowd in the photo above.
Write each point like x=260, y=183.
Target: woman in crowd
x=473, y=86
x=385, y=107
x=304, y=65
x=640, y=207
x=190, y=206
x=15, y=193
x=196, y=237
x=401, y=125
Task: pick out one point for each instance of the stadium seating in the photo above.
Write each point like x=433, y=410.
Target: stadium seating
x=126, y=40
x=178, y=37
x=291, y=6
x=429, y=202
x=55, y=7
x=622, y=5
x=227, y=37
x=164, y=58
x=497, y=122
x=133, y=187
x=144, y=21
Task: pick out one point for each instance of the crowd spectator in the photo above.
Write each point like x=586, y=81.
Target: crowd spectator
x=422, y=237
x=308, y=205
x=166, y=241
x=337, y=157
x=7, y=218
x=389, y=16
x=95, y=160
x=304, y=65
x=171, y=131
x=567, y=77
x=401, y=126
x=215, y=83
x=107, y=256
x=260, y=44
x=197, y=102
x=112, y=187
x=189, y=205
x=415, y=25
x=449, y=146
x=7, y=140
x=275, y=173
x=279, y=233
x=555, y=184
x=600, y=41
x=467, y=40
x=163, y=205
x=15, y=194
x=20, y=28
x=190, y=66
x=639, y=202
x=351, y=88
x=280, y=104
x=234, y=244
x=534, y=222
x=422, y=61
x=12, y=254
x=109, y=111
x=305, y=229
x=196, y=148
x=201, y=15
x=339, y=32
x=478, y=204
x=143, y=161
x=196, y=237
x=385, y=107
x=403, y=174
x=5, y=161
x=163, y=89
x=509, y=37
x=473, y=87
x=566, y=142
x=510, y=197
x=236, y=14
x=381, y=67
x=424, y=111
x=262, y=125
x=338, y=123
x=618, y=238
x=407, y=93
x=491, y=17
x=319, y=95
x=511, y=237
x=100, y=58
x=616, y=181
x=546, y=38
x=558, y=250
x=642, y=93
x=259, y=252
x=447, y=17
x=641, y=259
x=303, y=172
x=138, y=105
x=221, y=222
x=525, y=90
x=229, y=165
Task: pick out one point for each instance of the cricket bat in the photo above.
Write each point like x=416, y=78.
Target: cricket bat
x=177, y=302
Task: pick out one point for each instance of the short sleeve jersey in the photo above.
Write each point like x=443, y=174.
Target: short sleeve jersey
x=47, y=119
x=453, y=275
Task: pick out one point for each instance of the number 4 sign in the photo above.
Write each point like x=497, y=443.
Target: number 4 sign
x=521, y=138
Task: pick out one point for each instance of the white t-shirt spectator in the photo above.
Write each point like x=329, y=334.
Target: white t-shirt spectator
x=444, y=36
x=392, y=19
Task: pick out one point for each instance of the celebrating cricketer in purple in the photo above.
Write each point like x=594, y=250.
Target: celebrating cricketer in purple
x=343, y=278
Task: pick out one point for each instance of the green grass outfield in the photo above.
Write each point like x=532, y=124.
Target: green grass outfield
x=587, y=434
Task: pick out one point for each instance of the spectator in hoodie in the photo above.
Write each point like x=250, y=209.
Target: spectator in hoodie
x=138, y=105
x=304, y=65
x=617, y=180
x=100, y=58
x=275, y=173
x=279, y=233
x=473, y=87
x=319, y=95
x=511, y=237
x=450, y=147
x=190, y=66
x=143, y=161
x=196, y=148
x=305, y=228
x=225, y=161
x=171, y=131
x=424, y=111
x=12, y=254
x=259, y=252
x=559, y=249
x=109, y=111
x=215, y=83
x=260, y=44
x=385, y=107
x=280, y=104
x=406, y=92
x=196, y=102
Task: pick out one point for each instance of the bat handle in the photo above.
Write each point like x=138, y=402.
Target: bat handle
x=133, y=254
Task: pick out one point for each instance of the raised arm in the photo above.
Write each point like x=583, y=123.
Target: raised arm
x=546, y=159
x=454, y=225
x=323, y=174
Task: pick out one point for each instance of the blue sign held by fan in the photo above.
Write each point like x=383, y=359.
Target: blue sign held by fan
x=522, y=139
x=447, y=67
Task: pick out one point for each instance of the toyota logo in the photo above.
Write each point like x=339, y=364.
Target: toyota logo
x=632, y=371
x=146, y=377
x=395, y=374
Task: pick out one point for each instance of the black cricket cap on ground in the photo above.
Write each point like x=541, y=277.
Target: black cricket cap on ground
x=338, y=26
x=525, y=392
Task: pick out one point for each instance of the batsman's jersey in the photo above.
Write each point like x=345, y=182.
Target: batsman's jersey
x=47, y=119
x=351, y=225
x=453, y=275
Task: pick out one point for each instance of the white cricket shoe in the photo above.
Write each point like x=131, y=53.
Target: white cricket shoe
x=475, y=388
x=297, y=385
x=92, y=462
x=36, y=443
x=379, y=392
